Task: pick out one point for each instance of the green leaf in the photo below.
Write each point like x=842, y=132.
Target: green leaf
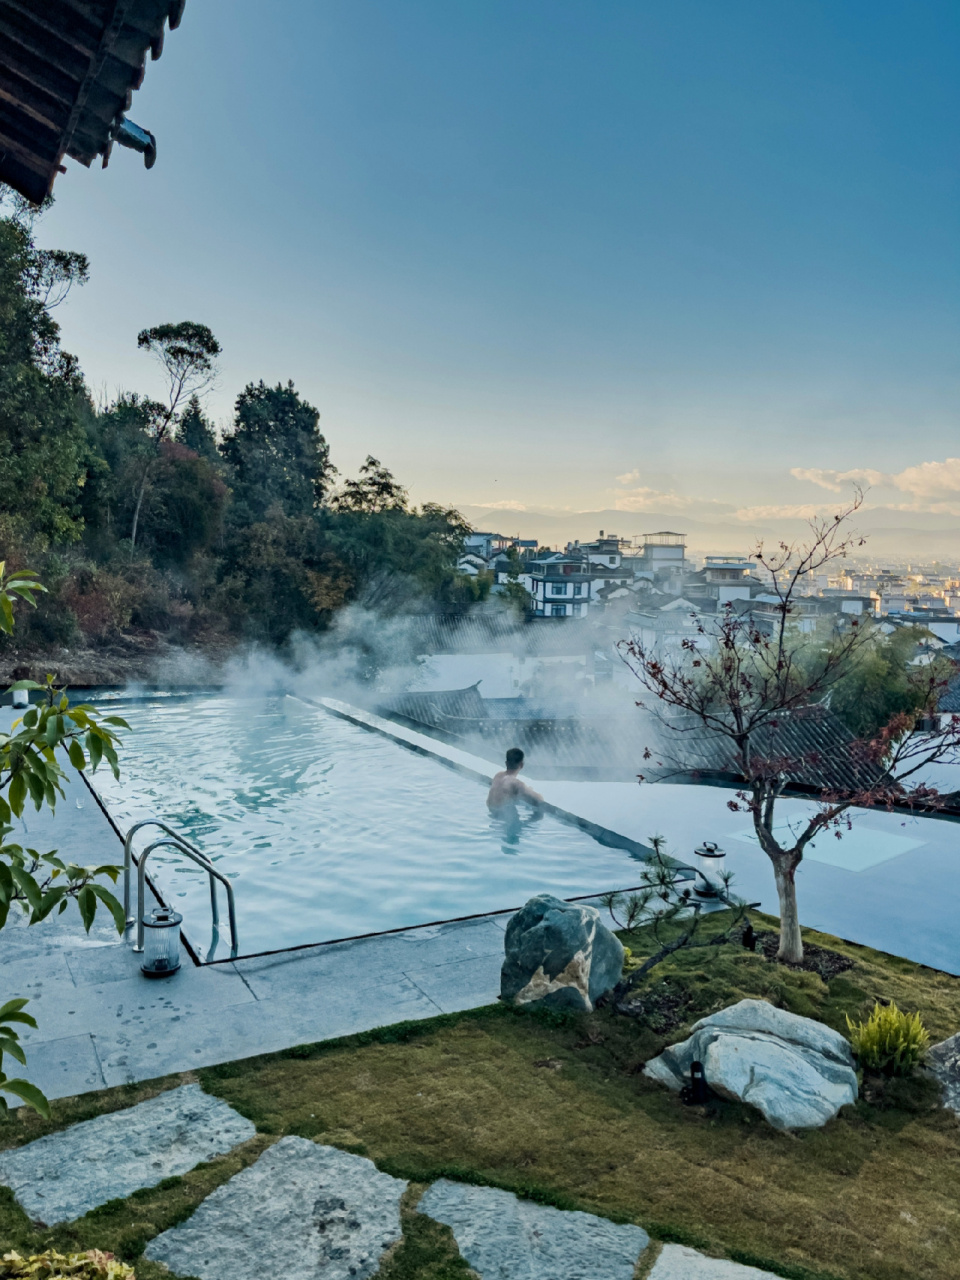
x=28, y=886
x=27, y=1019
x=87, y=902
x=94, y=750
x=117, y=720
x=24, y=684
x=30, y=1094
x=9, y=1045
x=21, y=1002
x=37, y=789
x=6, y=614
x=112, y=904
x=17, y=794
x=77, y=758
x=50, y=731
x=49, y=901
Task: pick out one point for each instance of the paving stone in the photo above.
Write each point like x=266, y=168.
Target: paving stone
x=505, y=1238
x=677, y=1262
x=461, y=984
x=303, y=1211
x=64, y=1175
x=60, y=1067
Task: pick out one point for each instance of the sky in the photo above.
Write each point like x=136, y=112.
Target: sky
x=689, y=260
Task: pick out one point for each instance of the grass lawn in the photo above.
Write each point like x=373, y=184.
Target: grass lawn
x=554, y=1107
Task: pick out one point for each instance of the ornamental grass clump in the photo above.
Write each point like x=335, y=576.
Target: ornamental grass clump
x=890, y=1041
x=93, y=1265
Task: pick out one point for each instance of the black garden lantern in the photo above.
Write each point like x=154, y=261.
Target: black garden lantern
x=161, y=943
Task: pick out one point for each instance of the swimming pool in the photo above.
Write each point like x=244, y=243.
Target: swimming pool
x=329, y=830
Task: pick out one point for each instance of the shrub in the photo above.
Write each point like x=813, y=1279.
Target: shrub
x=889, y=1041
x=94, y=1265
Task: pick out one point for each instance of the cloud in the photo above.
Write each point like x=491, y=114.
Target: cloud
x=837, y=481
x=646, y=499
x=506, y=505
x=930, y=485
x=930, y=481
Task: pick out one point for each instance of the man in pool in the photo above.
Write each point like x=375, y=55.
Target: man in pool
x=506, y=788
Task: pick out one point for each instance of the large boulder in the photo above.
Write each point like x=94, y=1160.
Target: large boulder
x=796, y=1071
x=559, y=954
x=943, y=1063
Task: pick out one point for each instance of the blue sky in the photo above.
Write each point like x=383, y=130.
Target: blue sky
x=563, y=255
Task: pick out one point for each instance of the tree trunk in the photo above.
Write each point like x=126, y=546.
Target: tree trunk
x=791, y=944
x=136, y=513
x=136, y=510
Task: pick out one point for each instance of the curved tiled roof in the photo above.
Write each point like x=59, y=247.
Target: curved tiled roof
x=68, y=72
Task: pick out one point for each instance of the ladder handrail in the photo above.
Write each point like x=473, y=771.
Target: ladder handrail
x=190, y=851
x=127, y=858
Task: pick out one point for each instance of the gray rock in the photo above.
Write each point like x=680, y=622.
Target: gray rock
x=943, y=1063
x=504, y=1238
x=66, y=1174
x=303, y=1212
x=796, y=1071
x=559, y=954
x=676, y=1262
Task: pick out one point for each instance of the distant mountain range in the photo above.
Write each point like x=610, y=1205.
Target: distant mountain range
x=893, y=534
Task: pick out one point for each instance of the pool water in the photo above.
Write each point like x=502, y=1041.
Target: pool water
x=329, y=830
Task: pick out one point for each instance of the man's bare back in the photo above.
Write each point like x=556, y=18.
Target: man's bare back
x=507, y=789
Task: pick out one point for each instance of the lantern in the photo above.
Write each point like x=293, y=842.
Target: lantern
x=161, y=943
x=710, y=859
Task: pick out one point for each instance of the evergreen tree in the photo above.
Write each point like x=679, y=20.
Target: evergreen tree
x=276, y=454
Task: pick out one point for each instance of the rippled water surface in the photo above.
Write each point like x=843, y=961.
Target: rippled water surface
x=329, y=830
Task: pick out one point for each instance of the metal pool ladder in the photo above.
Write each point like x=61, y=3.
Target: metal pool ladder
x=178, y=842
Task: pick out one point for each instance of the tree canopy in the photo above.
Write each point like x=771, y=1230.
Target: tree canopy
x=141, y=513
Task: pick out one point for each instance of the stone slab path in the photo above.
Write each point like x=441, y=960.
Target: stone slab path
x=302, y=1211
x=64, y=1175
x=505, y=1238
x=676, y=1262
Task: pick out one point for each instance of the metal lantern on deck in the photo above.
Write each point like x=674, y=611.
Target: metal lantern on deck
x=710, y=859
x=161, y=943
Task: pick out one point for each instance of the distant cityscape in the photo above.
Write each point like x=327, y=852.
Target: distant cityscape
x=662, y=590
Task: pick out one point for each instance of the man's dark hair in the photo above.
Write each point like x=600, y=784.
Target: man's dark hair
x=514, y=758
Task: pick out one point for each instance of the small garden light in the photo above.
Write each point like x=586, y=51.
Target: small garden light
x=710, y=858
x=161, y=943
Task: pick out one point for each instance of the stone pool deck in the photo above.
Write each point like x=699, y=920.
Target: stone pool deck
x=102, y=1023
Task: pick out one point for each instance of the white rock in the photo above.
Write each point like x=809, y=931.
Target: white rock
x=796, y=1071
x=303, y=1212
x=66, y=1174
x=943, y=1062
x=505, y=1238
x=679, y=1263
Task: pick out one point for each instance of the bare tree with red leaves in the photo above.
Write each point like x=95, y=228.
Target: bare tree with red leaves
x=737, y=683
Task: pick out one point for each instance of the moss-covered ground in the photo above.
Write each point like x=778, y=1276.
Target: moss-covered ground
x=555, y=1107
